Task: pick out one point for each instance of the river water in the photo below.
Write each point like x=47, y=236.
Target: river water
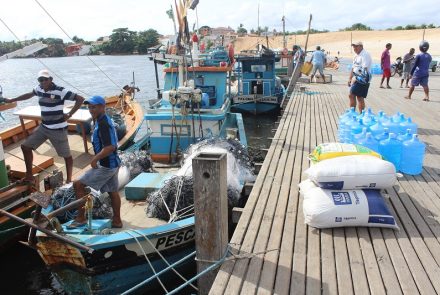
x=22, y=271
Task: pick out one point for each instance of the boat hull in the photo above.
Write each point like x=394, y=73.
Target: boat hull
x=119, y=261
x=255, y=107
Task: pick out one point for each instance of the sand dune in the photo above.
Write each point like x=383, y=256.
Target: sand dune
x=374, y=42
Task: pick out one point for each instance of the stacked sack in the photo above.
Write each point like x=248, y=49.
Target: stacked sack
x=343, y=187
x=394, y=137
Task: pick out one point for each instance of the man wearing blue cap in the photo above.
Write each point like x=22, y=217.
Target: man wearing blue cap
x=105, y=164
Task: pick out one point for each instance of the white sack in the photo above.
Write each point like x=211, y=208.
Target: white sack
x=339, y=208
x=353, y=172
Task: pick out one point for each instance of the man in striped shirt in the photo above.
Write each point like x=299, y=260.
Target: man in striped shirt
x=51, y=99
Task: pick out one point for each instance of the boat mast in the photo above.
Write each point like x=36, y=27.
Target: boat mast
x=284, y=32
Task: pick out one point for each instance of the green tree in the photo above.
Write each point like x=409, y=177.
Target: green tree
x=410, y=27
x=241, y=30
x=358, y=27
x=122, y=41
x=7, y=47
x=147, y=39
x=55, y=48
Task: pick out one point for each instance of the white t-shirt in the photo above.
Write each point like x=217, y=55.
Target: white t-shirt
x=361, y=62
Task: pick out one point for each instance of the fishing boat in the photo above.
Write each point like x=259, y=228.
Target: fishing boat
x=14, y=197
x=259, y=89
x=109, y=261
x=191, y=114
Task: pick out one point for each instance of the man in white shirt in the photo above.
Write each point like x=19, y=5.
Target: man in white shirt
x=360, y=76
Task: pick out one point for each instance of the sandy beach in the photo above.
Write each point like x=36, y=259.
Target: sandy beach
x=374, y=42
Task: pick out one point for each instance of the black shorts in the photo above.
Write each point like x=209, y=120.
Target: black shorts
x=359, y=89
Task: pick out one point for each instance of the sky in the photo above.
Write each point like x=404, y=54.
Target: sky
x=91, y=19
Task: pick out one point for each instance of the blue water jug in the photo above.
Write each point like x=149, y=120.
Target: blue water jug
x=356, y=128
x=377, y=129
x=361, y=115
x=369, y=118
x=413, y=152
x=391, y=150
x=408, y=124
x=398, y=117
x=383, y=135
x=359, y=136
x=370, y=142
x=342, y=120
x=347, y=129
x=393, y=127
x=382, y=117
x=405, y=136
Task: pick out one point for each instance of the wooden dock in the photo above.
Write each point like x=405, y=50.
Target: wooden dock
x=277, y=253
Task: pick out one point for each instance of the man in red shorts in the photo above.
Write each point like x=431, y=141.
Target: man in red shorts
x=385, y=64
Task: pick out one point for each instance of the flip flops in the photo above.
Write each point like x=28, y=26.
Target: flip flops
x=426, y=99
x=76, y=224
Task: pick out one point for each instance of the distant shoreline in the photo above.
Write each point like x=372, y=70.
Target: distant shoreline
x=374, y=42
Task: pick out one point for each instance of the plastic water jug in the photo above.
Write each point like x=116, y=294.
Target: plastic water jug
x=392, y=126
x=370, y=142
x=347, y=116
x=398, y=117
x=382, y=117
x=413, y=152
x=377, y=129
x=408, y=124
x=391, y=150
x=359, y=136
x=347, y=129
x=356, y=128
x=361, y=115
x=369, y=118
x=405, y=136
x=383, y=135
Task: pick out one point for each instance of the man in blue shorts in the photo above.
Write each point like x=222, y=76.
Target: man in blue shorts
x=105, y=164
x=360, y=76
x=318, y=62
x=420, y=72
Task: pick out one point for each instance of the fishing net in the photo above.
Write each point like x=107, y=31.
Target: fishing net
x=162, y=203
x=179, y=189
x=64, y=195
x=136, y=162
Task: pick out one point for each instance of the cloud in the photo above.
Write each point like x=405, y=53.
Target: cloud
x=90, y=19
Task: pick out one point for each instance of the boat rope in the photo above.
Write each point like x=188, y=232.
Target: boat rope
x=159, y=273
x=213, y=266
x=12, y=229
x=105, y=74
x=161, y=256
x=148, y=260
x=44, y=64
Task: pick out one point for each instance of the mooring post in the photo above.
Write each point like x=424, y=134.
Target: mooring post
x=211, y=213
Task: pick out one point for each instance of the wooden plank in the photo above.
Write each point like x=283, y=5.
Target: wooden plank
x=18, y=168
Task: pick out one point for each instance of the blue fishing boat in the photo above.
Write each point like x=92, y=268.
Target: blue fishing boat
x=259, y=89
x=195, y=104
x=192, y=112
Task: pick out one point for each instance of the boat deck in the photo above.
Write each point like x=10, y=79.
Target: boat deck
x=280, y=254
x=132, y=212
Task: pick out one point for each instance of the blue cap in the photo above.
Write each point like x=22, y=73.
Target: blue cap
x=95, y=100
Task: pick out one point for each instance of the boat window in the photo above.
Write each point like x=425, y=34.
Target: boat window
x=258, y=68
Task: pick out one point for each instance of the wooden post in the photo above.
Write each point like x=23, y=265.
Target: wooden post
x=211, y=213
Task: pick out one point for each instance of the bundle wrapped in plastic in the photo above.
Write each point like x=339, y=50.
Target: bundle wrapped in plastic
x=136, y=162
x=240, y=167
x=179, y=189
x=64, y=195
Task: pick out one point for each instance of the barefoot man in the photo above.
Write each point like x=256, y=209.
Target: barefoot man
x=360, y=76
x=51, y=99
x=105, y=164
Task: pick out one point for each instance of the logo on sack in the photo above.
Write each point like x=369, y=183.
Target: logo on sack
x=373, y=184
x=338, y=219
x=341, y=198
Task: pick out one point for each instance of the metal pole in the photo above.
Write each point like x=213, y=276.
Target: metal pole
x=423, y=37
x=159, y=96
x=47, y=232
x=211, y=213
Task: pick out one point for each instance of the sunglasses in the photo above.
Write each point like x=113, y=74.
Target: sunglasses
x=43, y=79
